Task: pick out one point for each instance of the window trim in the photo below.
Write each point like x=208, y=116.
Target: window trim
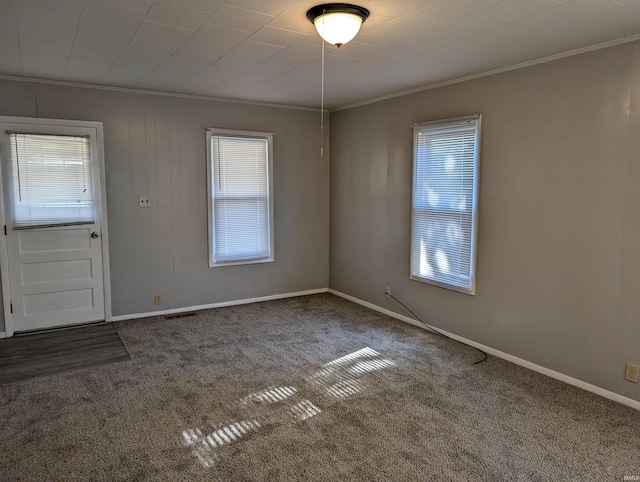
x=14, y=167
x=268, y=136
x=475, y=208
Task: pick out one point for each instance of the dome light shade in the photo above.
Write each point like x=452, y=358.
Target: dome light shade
x=338, y=28
x=337, y=23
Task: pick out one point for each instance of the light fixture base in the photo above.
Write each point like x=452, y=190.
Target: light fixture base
x=343, y=21
x=315, y=12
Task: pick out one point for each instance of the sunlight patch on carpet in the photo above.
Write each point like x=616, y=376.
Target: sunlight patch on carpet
x=338, y=380
x=304, y=410
x=204, y=445
x=269, y=395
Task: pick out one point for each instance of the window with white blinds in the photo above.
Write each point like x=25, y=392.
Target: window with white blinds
x=445, y=202
x=51, y=180
x=241, y=212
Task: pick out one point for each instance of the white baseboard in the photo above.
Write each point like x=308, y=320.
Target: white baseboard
x=505, y=356
x=221, y=304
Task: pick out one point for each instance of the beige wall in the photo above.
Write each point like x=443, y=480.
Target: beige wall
x=155, y=146
x=558, y=282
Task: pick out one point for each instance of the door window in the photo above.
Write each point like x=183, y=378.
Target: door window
x=51, y=180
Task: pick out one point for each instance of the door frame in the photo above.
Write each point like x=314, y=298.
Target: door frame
x=102, y=194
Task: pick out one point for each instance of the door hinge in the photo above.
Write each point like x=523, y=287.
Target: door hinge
x=5, y=229
x=11, y=307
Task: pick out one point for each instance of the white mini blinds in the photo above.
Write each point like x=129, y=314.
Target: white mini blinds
x=445, y=202
x=241, y=213
x=51, y=180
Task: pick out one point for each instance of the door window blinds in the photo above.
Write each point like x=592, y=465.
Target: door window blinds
x=241, y=204
x=51, y=180
x=444, y=210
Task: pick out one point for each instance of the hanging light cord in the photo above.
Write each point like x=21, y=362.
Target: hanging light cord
x=322, y=94
x=434, y=330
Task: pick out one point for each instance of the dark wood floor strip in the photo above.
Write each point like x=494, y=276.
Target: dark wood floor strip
x=39, y=354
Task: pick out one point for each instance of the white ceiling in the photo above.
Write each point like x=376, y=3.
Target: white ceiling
x=267, y=50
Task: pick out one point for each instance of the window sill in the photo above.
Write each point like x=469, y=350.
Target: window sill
x=240, y=262
x=466, y=291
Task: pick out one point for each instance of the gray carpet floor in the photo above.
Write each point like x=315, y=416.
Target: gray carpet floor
x=309, y=388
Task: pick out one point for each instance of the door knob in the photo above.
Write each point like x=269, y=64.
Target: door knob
x=95, y=235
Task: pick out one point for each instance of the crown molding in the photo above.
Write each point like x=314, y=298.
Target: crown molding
x=521, y=65
x=64, y=83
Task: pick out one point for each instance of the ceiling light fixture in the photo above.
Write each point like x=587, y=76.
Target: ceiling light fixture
x=337, y=23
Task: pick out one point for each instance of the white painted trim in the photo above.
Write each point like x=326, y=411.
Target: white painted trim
x=3, y=334
x=521, y=65
x=218, y=305
x=629, y=402
x=104, y=223
x=111, y=88
x=4, y=256
x=474, y=120
x=212, y=133
x=4, y=264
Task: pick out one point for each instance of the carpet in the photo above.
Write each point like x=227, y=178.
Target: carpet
x=308, y=388
x=45, y=353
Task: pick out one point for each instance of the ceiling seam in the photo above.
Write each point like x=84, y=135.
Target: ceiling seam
x=509, y=68
x=15, y=16
x=75, y=37
x=128, y=44
x=178, y=49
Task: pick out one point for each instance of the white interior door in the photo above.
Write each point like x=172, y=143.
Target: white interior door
x=52, y=208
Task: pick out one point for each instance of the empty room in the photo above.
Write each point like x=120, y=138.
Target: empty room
x=290, y=240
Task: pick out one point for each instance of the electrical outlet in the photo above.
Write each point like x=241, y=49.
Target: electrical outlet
x=144, y=201
x=387, y=290
x=631, y=373
x=157, y=299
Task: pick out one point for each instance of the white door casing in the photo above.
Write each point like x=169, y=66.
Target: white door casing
x=55, y=275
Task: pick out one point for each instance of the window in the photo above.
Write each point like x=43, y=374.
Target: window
x=445, y=202
x=241, y=208
x=51, y=180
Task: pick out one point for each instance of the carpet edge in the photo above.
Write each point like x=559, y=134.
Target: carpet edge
x=220, y=304
x=616, y=397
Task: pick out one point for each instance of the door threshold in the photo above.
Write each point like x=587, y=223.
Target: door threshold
x=58, y=328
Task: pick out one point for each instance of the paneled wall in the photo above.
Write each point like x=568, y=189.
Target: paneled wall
x=155, y=146
x=558, y=278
